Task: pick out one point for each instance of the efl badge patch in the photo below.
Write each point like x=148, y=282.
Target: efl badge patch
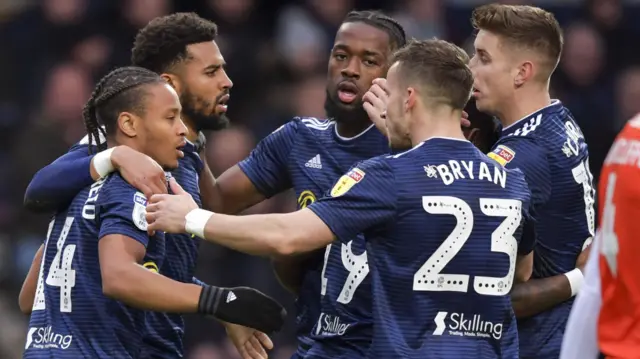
x=502, y=154
x=346, y=182
x=139, y=211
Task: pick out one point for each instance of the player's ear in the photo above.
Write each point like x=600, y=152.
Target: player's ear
x=525, y=73
x=128, y=124
x=412, y=97
x=172, y=80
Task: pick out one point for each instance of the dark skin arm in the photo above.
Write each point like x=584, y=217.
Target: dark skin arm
x=538, y=295
x=232, y=193
x=30, y=284
x=124, y=279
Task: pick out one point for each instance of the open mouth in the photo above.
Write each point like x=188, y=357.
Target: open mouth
x=180, y=149
x=221, y=106
x=347, y=92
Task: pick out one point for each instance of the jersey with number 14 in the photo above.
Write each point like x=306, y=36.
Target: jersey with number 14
x=549, y=148
x=334, y=302
x=443, y=226
x=71, y=316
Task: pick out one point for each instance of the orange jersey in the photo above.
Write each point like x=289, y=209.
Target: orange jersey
x=619, y=209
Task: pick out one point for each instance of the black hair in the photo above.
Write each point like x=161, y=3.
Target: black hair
x=117, y=92
x=397, y=35
x=163, y=42
x=489, y=128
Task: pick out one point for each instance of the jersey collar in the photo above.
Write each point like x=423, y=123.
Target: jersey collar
x=553, y=106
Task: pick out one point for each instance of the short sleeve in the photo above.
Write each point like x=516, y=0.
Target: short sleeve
x=266, y=166
x=362, y=198
x=121, y=210
x=527, y=155
x=528, y=240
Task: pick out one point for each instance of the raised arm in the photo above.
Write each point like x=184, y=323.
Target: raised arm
x=54, y=186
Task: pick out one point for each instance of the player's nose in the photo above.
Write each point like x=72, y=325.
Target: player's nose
x=352, y=71
x=227, y=84
x=181, y=128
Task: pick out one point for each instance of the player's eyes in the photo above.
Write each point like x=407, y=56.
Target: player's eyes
x=340, y=57
x=370, y=63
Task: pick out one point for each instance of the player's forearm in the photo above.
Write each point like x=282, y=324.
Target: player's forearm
x=143, y=289
x=537, y=295
x=209, y=191
x=54, y=186
x=30, y=284
x=262, y=234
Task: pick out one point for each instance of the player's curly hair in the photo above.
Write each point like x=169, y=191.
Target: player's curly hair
x=397, y=35
x=163, y=42
x=119, y=91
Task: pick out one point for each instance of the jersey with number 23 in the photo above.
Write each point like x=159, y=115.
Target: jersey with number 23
x=443, y=226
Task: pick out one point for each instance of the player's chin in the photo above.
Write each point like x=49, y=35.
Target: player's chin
x=171, y=164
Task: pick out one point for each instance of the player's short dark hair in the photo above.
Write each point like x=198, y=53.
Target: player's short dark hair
x=397, y=35
x=439, y=68
x=524, y=26
x=163, y=42
x=119, y=91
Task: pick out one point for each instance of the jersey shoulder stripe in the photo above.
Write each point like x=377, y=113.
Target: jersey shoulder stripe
x=317, y=124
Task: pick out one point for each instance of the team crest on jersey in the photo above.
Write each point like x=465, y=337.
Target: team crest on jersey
x=306, y=198
x=151, y=266
x=139, y=211
x=347, y=181
x=502, y=154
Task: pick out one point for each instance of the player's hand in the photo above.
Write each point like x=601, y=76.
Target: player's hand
x=166, y=212
x=250, y=308
x=375, y=103
x=584, y=255
x=140, y=170
x=250, y=343
x=464, y=121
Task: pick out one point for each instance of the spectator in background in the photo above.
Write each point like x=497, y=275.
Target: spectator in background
x=584, y=88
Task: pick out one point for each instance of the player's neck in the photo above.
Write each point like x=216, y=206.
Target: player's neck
x=524, y=104
x=350, y=129
x=441, y=122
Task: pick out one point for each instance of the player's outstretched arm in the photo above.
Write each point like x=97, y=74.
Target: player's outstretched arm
x=264, y=234
x=30, y=284
x=124, y=279
x=54, y=186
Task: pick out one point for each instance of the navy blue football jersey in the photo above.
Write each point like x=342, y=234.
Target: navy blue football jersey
x=71, y=317
x=548, y=146
x=443, y=226
x=165, y=331
x=334, y=302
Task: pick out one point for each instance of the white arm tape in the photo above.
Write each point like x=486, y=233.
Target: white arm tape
x=576, y=279
x=102, y=162
x=196, y=220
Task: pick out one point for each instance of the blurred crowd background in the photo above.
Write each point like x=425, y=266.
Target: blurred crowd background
x=53, y=51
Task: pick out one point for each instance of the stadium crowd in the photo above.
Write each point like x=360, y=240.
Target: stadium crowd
x=276, y=53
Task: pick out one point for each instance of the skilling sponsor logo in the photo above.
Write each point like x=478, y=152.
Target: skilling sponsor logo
x=45, y=338
x=330, y=325
x=460, y=325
